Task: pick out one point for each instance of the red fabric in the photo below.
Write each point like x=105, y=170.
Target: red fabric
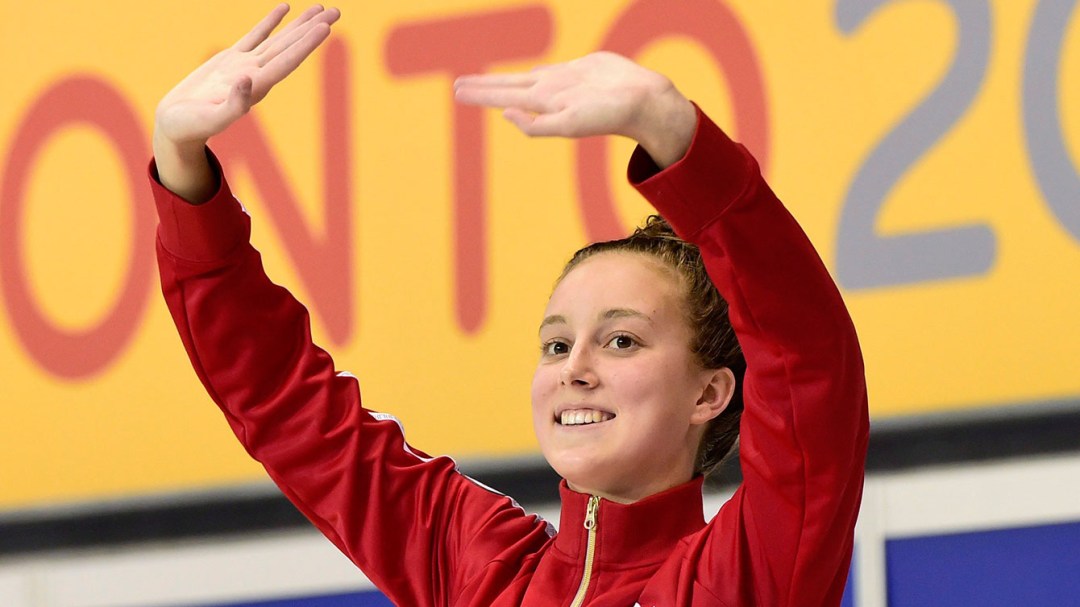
x=427, y=535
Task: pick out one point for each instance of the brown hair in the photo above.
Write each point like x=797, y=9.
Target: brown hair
x=713, y=343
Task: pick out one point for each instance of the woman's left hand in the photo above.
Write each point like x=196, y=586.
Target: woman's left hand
x=598, y=94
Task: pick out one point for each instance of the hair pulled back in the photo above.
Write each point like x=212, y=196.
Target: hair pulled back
x=713, y=344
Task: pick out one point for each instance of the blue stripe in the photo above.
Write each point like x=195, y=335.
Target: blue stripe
x=1032, y=566
x=372, y=598
x=849, y=587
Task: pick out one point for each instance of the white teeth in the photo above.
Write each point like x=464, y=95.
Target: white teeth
x=580, y=417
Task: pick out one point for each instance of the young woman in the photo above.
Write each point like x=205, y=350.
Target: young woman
x=639, y=387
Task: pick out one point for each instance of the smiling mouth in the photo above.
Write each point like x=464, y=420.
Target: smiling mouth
x=583, y=417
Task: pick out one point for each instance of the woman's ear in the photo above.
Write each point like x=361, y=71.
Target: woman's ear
x=716, y=395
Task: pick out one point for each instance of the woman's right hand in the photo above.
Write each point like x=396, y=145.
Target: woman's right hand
x=222, y=90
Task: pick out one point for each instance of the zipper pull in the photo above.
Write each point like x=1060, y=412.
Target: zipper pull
x=591, y=512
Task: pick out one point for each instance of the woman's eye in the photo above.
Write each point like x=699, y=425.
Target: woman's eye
x=622, y=342
x=555, y=348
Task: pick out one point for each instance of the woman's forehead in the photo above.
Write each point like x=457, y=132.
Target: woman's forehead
x=616, y=281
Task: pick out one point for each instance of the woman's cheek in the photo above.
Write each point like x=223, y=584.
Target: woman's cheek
x=543, y=386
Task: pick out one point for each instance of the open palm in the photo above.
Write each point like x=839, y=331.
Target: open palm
x=598, y=94
x=224, y=88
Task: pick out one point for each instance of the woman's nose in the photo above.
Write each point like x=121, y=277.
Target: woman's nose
x=578, y=369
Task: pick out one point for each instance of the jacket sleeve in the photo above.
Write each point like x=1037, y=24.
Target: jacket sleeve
x=413, y=524
x=786, y=536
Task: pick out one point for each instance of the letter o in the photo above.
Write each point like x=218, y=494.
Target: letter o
x=74, y=354
x=718, y=30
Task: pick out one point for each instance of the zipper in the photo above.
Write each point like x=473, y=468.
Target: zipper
x=590, y=550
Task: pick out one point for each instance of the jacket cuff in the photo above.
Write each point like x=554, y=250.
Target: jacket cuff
x=199, y=232
x=714, y=169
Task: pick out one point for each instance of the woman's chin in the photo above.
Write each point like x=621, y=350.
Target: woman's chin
x=583, y=473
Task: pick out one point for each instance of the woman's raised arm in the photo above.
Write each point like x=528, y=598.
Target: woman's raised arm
x=423, y=532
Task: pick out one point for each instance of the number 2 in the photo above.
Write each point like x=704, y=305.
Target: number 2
x=866, y=259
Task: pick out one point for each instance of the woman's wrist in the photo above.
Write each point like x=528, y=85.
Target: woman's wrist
x=667, y=125
x=184, y=169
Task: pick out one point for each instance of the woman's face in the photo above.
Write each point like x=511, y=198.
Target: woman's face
x=616, y=392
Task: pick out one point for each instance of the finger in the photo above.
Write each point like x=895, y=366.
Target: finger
x=288, y=60
x=502, y=97
x=521, y=119
x=263, y=29
x=285, y=39
x=536, y=125
x=304, y=18
x=523, y=79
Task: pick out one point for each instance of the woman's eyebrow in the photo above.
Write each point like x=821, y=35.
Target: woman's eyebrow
x=558, y=319
x=554, y=319
x=624, y=313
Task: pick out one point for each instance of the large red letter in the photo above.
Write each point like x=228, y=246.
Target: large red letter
x=468, y=45
x=717, y=29
x=77, y=100
x=324, y=264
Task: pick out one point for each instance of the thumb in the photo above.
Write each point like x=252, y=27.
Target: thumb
x=239, y=101
x=538, y=125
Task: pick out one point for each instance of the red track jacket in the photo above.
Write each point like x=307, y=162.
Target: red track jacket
x=427, y=535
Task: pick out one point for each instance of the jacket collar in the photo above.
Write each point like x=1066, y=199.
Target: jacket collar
x=631, y=534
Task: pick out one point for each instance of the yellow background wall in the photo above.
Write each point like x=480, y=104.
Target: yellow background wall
x=865, y=132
